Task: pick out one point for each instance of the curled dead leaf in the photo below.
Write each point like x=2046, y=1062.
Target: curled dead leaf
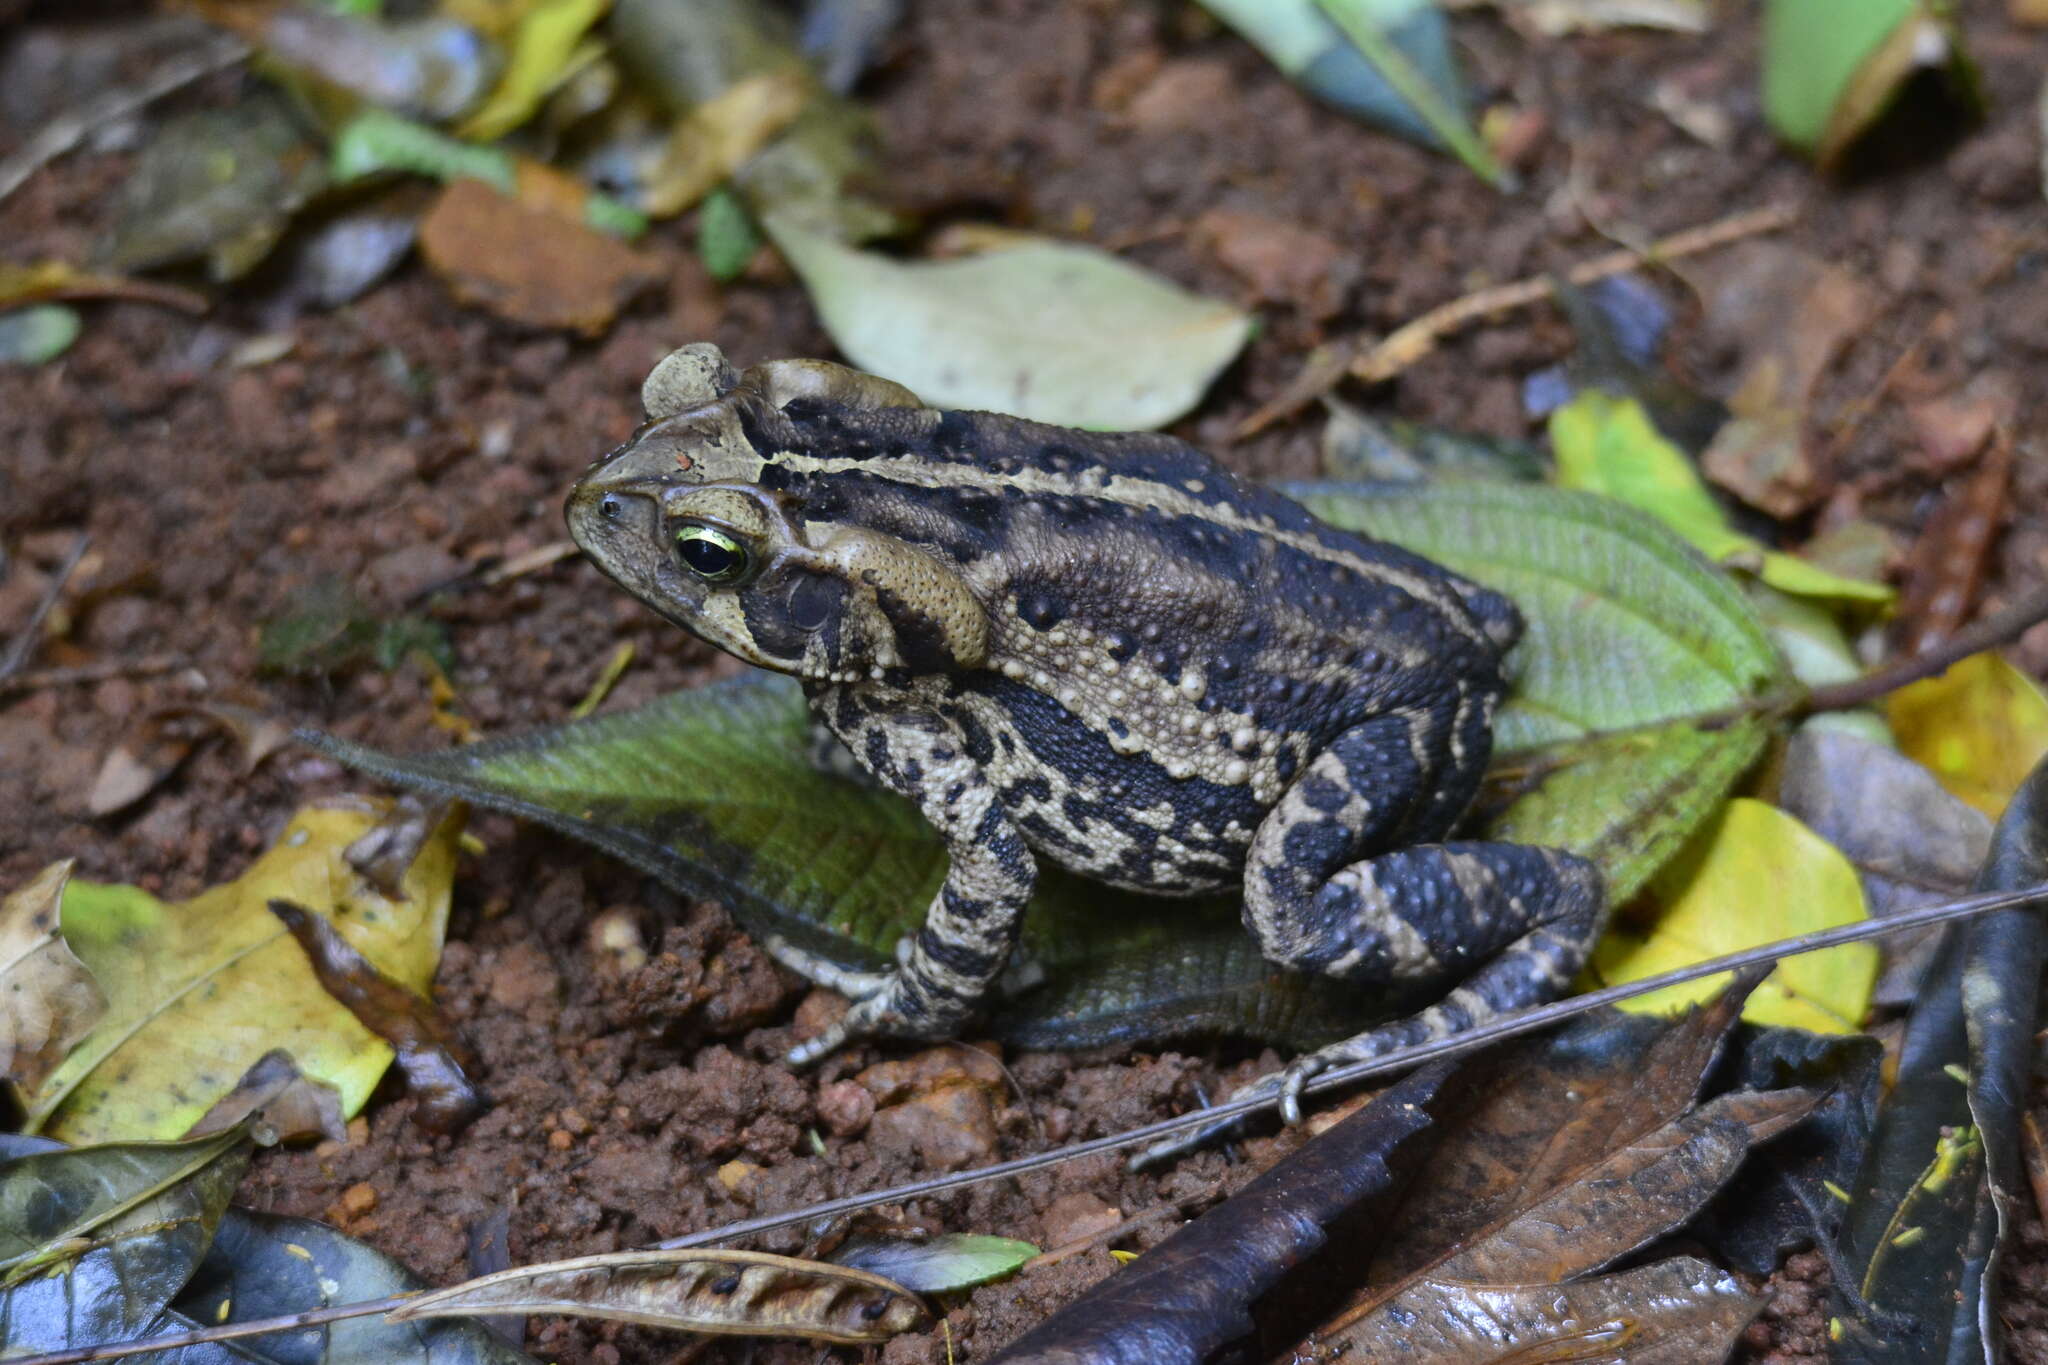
x=735, y=1293
x=48, y=999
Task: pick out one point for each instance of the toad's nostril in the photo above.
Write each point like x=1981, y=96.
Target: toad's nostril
x=609, y=507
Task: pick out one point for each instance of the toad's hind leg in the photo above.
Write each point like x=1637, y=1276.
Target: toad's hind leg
x=1498, y=926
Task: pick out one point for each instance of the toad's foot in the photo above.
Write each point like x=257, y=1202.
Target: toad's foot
x=885, y=1004
x=1285, y=1085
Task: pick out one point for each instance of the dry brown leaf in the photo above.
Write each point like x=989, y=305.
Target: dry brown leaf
x=1676, y=1312
x=529, y=264
x=1568, y=1155
x=1787, y=314
x=289, y=1103
x=709, y=145
x=48, y=1000
x=1282, y=262
x=1949, y=560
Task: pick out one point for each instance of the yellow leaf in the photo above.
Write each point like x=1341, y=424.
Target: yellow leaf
x=546, y=45
x=718, y=135
x=198, y=990
x=1755, y=874
x=1608, y=445
x=1980, y=727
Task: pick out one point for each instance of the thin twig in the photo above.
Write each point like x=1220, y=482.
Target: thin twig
x=1413, y=340
x=1507, y=1026
x=550, y=553
x=98, y=671
x=25, y=643
x=67, y=130
x=2001, y=627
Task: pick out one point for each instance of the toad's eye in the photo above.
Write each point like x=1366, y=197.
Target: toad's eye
x=712, y=555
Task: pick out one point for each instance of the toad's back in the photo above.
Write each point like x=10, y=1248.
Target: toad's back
x=1150, y=548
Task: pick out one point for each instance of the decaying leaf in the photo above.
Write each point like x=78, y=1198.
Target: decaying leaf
x=198, y=990
x=712, y=790
x=1675, y=1312
x=716, y=138
x=1363, y=447
x=218, y=183
x=1786, y=314
x=940, y=1264
x=1936, y=1204
x=50, y=1200
x=1784, y=1197
x=1754, y=874
x=1605, y=445
x=529, y=264
x=265, y=1265
x=287, y=1102
x=431, y=66
x=50, y=281
x=1912, y=842
x=1192, y=1296
x=144, y=758
x=1979, y=727
x=435, y=1060
x=1054, y=332
x=116, y=1230
x=689, y=53
x=1571, y=1153
x=1952, y=552
x=1831, y=71
x=740, y=1293
x=48, y=1000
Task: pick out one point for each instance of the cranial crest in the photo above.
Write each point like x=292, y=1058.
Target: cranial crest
x=686, y=378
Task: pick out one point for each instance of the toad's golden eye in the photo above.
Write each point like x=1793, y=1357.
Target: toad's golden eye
x=711, y=554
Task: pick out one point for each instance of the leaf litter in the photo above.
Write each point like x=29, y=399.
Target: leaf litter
x=197, y=991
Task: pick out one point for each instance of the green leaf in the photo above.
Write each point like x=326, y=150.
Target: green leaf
x=1609, y=445
x=37, y=335
x=726, y=236
x=1057, y=333
x=957, y=1260
x=710, y=790
x=1396, y=72
x=1830, y=70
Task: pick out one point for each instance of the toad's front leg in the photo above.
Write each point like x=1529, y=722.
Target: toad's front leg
x=972, y=923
